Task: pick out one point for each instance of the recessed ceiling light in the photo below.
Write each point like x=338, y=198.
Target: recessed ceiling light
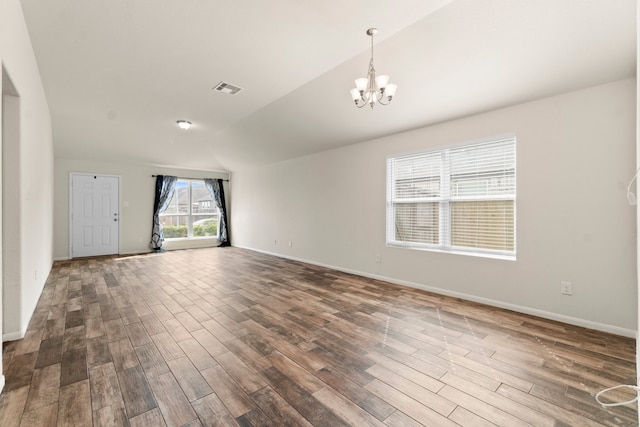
x=183, y=124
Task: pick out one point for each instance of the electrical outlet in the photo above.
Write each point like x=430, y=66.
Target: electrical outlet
x=566, y=288
x=378, y=258
x=290, y=243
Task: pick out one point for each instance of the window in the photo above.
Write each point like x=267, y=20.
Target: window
x=457, y=199
x=191, y=213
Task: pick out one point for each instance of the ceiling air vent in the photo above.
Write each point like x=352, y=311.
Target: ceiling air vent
x=225, y=87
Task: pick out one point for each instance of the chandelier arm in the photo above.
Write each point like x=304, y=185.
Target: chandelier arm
x=384, y=103
x=360, y=105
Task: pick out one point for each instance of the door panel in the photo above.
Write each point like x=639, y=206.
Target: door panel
x=95, y=217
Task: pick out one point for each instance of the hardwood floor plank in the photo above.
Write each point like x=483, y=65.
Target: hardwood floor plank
x=480, y=408
x=115, y=329
x=198, y=313
x=393, y=368
x=50, y=352
x=209, y=342
x=538, y=376
x=137, y=334
x=312, y=409
x=212, y=412
x=244, y=376
x=94, y=327
x=188, y=321
x=12, y=404
x=234, y=398
x=308, y=361
x=359, y=395
x=345, y=409
x=192, y=383
x=45, y=387
x=73, y=319
x=74, y=339
x=110, y=416
x=247, y=354
x=488, y=397
x=218, y=331
x=173, y=404
x=123, y=354
x=152, y=324
x=413, y=389
x=73, y=367
x=254, y=417
x=167, y=346
x=93, y=310
x=43, y=416
x=545, y=407
x=230, y=337
x=200, y=357
x=147, y=419
x=466, y=418
x=75, y=405
x=161, y=312
x=136, y=391
x=105, y=389
x=278, y=409
x=30, y=342
x=486, y=369
x=400, y=419
x=176, y=330
x=109, y=312
x=414, y=409
x=128, y=314
x=98, y=352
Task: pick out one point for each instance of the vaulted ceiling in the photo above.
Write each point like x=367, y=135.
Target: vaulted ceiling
x=119, y=73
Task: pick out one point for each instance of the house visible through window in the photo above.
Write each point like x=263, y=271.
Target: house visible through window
x=458, y=199
x=191, y=213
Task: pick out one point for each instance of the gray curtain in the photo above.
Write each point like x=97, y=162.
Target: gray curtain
x=165, y=187
x=217, y=192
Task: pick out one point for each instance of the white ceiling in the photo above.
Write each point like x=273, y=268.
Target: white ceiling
x=119, y=73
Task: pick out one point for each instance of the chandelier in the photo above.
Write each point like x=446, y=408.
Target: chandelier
x=372, y=89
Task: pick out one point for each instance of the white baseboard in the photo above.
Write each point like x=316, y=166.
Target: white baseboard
x=12, y=336
x=18, y=335
x=146, y=251
x=630, y=333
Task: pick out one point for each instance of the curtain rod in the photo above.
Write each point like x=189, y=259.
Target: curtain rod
x=184, y=177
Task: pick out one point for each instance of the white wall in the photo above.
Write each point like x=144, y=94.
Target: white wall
x=32, y=184
x=575, y=155
x=137, y=190
x=636, y=187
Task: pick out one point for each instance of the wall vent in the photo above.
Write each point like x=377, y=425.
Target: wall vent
x=227, y=88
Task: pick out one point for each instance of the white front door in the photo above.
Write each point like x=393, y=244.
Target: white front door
x=95, y=216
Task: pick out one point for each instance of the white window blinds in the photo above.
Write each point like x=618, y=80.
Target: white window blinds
x=458, y=199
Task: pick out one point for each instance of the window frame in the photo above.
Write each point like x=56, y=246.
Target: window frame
x=192, y=218
x=444, y=199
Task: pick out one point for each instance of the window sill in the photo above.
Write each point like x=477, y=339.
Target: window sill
x=186, y=243
x=498, y=256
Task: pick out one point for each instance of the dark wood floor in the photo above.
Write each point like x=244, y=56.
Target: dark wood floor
x=229, y=337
